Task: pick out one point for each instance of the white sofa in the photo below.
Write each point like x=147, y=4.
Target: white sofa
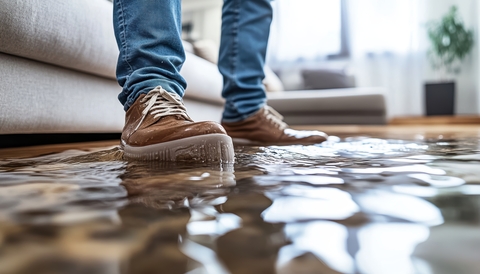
x=57, y=73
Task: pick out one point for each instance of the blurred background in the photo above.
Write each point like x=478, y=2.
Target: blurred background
x=325, y=44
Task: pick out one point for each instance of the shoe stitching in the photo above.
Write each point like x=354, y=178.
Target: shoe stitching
x=162, y=103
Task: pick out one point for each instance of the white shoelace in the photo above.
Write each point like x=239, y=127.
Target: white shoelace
x=162, y=103
x=275, y=117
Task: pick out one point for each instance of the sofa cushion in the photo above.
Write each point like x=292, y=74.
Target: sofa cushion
x=76, y=34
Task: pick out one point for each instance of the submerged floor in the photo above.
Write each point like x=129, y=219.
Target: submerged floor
x=351, y=205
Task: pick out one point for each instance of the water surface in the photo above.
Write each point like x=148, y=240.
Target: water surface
x=354, y=205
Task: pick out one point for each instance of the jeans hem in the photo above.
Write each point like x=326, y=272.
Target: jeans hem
x=243, y=116
x=146, y=90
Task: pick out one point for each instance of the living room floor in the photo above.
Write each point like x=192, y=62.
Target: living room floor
x=375, y=199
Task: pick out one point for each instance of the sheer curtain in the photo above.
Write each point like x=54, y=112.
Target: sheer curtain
x=387, y=48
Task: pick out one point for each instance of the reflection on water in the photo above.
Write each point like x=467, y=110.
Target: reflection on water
x=357, y=205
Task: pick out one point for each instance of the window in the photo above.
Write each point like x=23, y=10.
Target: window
x=307, y=30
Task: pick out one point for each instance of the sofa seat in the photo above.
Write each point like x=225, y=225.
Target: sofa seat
x=351, y=106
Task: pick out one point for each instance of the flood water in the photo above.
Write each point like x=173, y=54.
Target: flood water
x=354, y=205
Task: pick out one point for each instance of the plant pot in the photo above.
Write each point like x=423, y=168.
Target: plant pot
x=440, y=98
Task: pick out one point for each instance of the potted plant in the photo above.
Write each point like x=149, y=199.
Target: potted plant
x=450, y=44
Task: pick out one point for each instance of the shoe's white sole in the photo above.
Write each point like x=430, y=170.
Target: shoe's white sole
x=203, y=148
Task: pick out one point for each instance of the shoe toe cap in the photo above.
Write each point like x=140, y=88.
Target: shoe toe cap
x=209, y=128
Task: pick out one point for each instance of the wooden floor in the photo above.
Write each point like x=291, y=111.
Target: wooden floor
x=404, y=132
x=401, y=131
x=34, y=151
x=437, y=120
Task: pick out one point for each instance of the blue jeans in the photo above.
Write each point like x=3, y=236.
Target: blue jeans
x=148, y=34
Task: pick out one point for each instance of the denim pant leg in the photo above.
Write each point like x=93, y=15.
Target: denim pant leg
x=148, y=34
x=245, y=31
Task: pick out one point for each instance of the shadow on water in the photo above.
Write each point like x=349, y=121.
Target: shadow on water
x=357, y=205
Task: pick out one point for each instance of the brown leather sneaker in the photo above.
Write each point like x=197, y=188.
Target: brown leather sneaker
x=157, y=127
x=266, y=127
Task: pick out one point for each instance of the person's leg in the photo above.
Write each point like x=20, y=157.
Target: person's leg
x=246, y=118
x=245, y=31
x=157, y=126
x=148, y=34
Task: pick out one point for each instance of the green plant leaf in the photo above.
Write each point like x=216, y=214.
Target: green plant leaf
x=450, y=41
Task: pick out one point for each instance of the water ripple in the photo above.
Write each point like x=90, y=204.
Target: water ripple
x=359, y=205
